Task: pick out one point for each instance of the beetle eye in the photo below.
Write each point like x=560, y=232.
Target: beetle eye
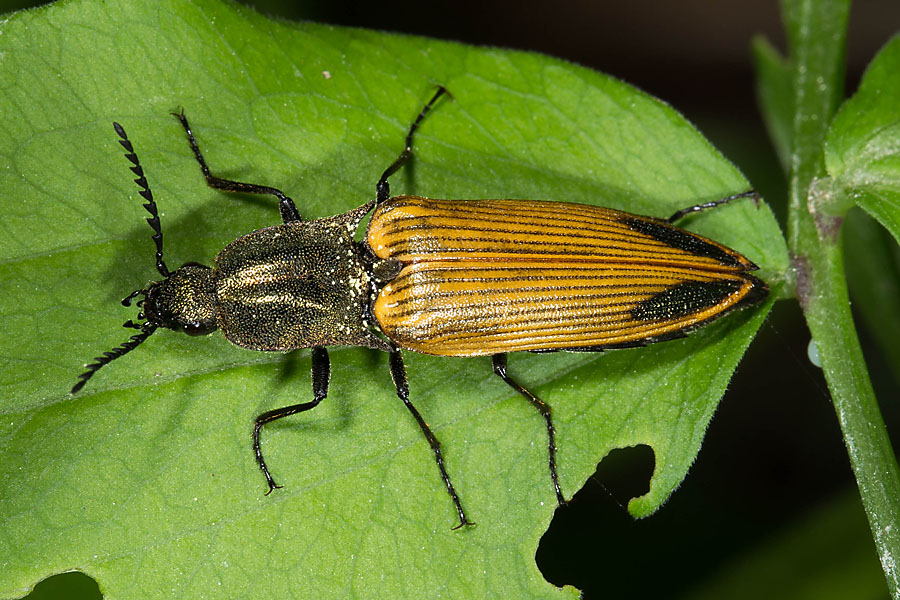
x=199, y=328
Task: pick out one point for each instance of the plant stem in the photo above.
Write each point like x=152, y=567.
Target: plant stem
x=827, y=310
x=817, y=31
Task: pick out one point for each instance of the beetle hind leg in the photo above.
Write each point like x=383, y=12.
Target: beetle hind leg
x=499, y=364
x=286, y=206
x=707, y=205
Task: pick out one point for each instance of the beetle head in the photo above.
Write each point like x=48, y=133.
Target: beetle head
x=183, y=301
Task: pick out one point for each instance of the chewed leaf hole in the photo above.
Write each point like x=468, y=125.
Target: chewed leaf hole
x=571, y=551
x=74, y=585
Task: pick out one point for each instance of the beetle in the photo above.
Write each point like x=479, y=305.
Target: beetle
x=441, y=277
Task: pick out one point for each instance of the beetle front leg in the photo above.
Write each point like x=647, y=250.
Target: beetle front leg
x=321, y=374
x=398, y=374
x=499, y=364
x=286, y=206
x=383, y=188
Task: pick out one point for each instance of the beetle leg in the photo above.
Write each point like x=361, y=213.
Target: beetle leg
x=383, y=188
x=321, y=373
x=499, y=363
x=707, y=205
x=398, y=374
x=285, y=204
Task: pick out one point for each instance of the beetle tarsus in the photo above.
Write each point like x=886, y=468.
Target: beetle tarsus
x=499, y=364
x=257, y=449
x=272, y=485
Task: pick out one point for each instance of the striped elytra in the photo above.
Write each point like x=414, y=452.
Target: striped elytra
x=487, y=276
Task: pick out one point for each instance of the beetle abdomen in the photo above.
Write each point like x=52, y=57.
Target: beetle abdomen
x=491, y=276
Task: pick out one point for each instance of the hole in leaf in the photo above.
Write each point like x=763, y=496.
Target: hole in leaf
x=579, y=537
x=69, y=586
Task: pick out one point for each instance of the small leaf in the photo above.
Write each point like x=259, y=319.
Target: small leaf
x=773, y=88
x=862, y=151
x=873, y=274
x=145, y=480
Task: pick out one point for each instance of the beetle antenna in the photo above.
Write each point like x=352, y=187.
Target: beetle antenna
x=99, y=361
x=153, y=219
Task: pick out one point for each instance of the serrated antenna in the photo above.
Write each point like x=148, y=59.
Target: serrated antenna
x=146, y=194
x=99, y=361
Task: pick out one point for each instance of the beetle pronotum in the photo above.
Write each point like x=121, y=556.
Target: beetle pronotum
x=441, y=277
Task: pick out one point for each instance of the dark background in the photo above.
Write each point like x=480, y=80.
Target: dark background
x=773, y=463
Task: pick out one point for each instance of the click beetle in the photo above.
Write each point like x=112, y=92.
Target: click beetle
x=440, y=277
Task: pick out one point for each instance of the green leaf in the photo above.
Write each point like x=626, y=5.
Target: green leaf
x=775, y=94
x=145, y=480
x=873, y=273
x=862, y=151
